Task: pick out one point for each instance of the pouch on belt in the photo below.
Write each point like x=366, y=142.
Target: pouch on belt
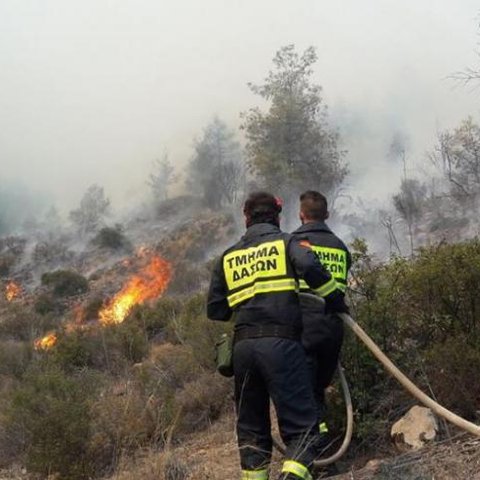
x=223, y=356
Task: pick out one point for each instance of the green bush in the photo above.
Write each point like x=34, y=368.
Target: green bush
x=112, y=348
x=424, y=313
x=50, y=413
x=45, y=304
x=65, y=283
x=112, y=238
x=154, y=318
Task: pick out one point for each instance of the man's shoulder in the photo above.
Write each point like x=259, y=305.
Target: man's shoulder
x=254, y=240
x=320, y=234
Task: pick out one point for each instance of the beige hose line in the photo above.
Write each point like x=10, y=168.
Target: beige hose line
x=406, y=382
x=349, y=430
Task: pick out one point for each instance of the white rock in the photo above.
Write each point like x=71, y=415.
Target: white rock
x=416, y=428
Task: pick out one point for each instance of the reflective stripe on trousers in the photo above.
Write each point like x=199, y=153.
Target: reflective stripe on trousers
x=296, y=468
x=255, y=474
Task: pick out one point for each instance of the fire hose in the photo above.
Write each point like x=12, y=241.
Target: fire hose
x=399, y=376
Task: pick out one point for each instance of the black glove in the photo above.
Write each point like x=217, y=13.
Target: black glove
x=335, y=303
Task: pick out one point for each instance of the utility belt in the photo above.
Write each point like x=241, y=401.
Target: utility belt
x=261, y=331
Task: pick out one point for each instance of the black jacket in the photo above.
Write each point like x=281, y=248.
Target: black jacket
x=257, y=279
x=323, y=332
x=330, y=250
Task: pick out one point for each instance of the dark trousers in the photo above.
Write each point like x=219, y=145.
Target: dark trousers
x=273, y=368
x=322, y=356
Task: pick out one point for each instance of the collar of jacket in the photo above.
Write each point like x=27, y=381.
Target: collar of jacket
x=313, y=227
x=259, y=229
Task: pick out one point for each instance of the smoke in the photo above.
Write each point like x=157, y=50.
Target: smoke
x=96, y=93
x=20, y=207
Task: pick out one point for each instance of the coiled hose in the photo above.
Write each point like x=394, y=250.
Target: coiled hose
x=398, y=375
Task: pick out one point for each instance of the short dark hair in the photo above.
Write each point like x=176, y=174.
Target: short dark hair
x=314, y=205
x=262, y=207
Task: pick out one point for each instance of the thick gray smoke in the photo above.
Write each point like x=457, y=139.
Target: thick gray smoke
x=94, y=93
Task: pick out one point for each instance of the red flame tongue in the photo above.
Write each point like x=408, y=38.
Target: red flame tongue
x=148, y=284
x=46, y=342
x=12, y=291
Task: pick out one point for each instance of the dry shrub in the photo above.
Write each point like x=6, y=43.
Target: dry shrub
x=121, y=422
x=193, y=241
x=19, y=322
x=7, y=261
x=201, y=401
x=14, y=357
x=52, y=252
x=140, y=412
x=193, y=328
x=172, y=365
x=189, y=277
x=166, y=465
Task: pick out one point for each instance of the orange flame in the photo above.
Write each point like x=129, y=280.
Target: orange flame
x=12, y=291
x=148, y=284
x=46, y=342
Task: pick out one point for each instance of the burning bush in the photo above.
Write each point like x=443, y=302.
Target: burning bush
x=65, y=283
x=12, y=291
x=149, y=283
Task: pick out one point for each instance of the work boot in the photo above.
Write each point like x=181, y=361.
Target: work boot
x=288, y=476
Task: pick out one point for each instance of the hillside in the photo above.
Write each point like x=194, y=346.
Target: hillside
x=118, y=337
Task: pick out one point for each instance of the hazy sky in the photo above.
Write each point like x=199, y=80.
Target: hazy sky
x=95, y=90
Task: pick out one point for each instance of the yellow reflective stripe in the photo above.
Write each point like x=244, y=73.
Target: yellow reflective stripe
x=282, y=285
x=291, y=466
x=326, y=288
x=303, y=285
x=255, y=474
x=323, y=428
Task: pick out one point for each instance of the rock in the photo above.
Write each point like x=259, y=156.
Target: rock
x=415, y=429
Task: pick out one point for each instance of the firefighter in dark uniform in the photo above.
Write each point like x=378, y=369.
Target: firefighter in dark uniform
x=256, y=280
x=322, y=331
